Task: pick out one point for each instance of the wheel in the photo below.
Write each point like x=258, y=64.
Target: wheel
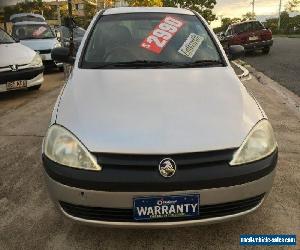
x=266, y=50
x=35, y=87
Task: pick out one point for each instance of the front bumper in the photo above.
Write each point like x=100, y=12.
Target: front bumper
x=33, y=76
x=114, y=207
x=78, y=204
x=258, y=45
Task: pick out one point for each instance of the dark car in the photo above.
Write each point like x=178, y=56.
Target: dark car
x=65, y=35
x=252, y=35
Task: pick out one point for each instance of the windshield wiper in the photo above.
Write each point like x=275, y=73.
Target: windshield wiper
x=133, y=64
x=158, y=64
x=201, y=63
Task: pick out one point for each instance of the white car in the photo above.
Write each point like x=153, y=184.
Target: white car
x=20, y=66
x=36, y=35
x=153, y=127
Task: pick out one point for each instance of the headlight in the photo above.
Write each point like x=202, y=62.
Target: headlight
x=36, y=61
x=259, y=143
x=57, y=45
x=64, y=148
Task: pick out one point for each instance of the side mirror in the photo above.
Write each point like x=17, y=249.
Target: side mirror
x=235, y=52
x=62, y=54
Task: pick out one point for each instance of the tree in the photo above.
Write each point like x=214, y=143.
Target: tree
x=89, y=11
x=225, y=22
x=37, y=7
x=248, y=16
x=148, y=3
x=292, y=5
x=100, y=3
x=204, y=7
x=285, y=21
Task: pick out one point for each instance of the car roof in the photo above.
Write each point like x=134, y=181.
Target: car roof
x=30, y=22
x=123, y=10
x=26, y=14
x=250, y=21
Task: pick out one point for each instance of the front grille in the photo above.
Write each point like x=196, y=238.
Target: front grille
x=23, y=74
x=126, y=215
x=45, y=51
x=184, y=159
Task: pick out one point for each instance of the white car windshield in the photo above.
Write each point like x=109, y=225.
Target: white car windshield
x=5, y=38
x=150, y=40
x=32, y=31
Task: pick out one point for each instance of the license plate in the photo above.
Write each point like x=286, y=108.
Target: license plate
x=151, y=208
x=16, y=85
x=253, y=38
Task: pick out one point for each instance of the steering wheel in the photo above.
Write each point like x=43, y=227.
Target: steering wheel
x=119, y=54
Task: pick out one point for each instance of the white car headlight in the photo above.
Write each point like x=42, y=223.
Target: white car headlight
x=36, y=61
x=259, y=143
x=57, y=45
x=64, y=148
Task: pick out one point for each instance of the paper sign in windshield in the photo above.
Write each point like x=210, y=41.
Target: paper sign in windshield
x=39, y=31
x=191, y=45
x=162, y=34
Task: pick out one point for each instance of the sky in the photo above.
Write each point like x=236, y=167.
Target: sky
x=236, y=8
x=231, y=8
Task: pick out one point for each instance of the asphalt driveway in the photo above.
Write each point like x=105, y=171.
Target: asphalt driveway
x=282, y=64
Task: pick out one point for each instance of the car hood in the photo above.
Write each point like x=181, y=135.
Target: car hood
x=40, y=44
x=15, y=53
x=157, y=111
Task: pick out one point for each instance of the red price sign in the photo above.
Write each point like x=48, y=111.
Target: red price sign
x=162, y=34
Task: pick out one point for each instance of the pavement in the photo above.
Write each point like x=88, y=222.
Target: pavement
x=29, y=220
x=282, y=64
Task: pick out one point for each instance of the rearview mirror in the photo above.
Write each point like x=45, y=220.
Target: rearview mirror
x=62, y=54
x=235, y=52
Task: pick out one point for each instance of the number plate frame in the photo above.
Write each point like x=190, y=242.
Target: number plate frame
x=253, y=38
x=164, y=207
x=19, y=84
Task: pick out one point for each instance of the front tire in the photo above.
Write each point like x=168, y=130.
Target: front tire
x=266, y=50
x=35, y=87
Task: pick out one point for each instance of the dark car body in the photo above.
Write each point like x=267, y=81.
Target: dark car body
x=65, y=35
x=252, y=35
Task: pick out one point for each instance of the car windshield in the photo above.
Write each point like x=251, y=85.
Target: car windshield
x=243, y=27
x=32, y=31
x=77, y=32
x=149, y=40
x=5, y=38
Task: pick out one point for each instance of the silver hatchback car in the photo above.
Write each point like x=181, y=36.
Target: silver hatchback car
x=153, y=128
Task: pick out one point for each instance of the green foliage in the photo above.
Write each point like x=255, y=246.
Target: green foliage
x=37, y=7
x=288, y=25
x=89, y=11
x=248, y=16
x=203, y=7
x=226, y=21
x=292, y=5
x=147, y=3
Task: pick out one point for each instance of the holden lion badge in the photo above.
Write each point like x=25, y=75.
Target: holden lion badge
x=167, y=167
